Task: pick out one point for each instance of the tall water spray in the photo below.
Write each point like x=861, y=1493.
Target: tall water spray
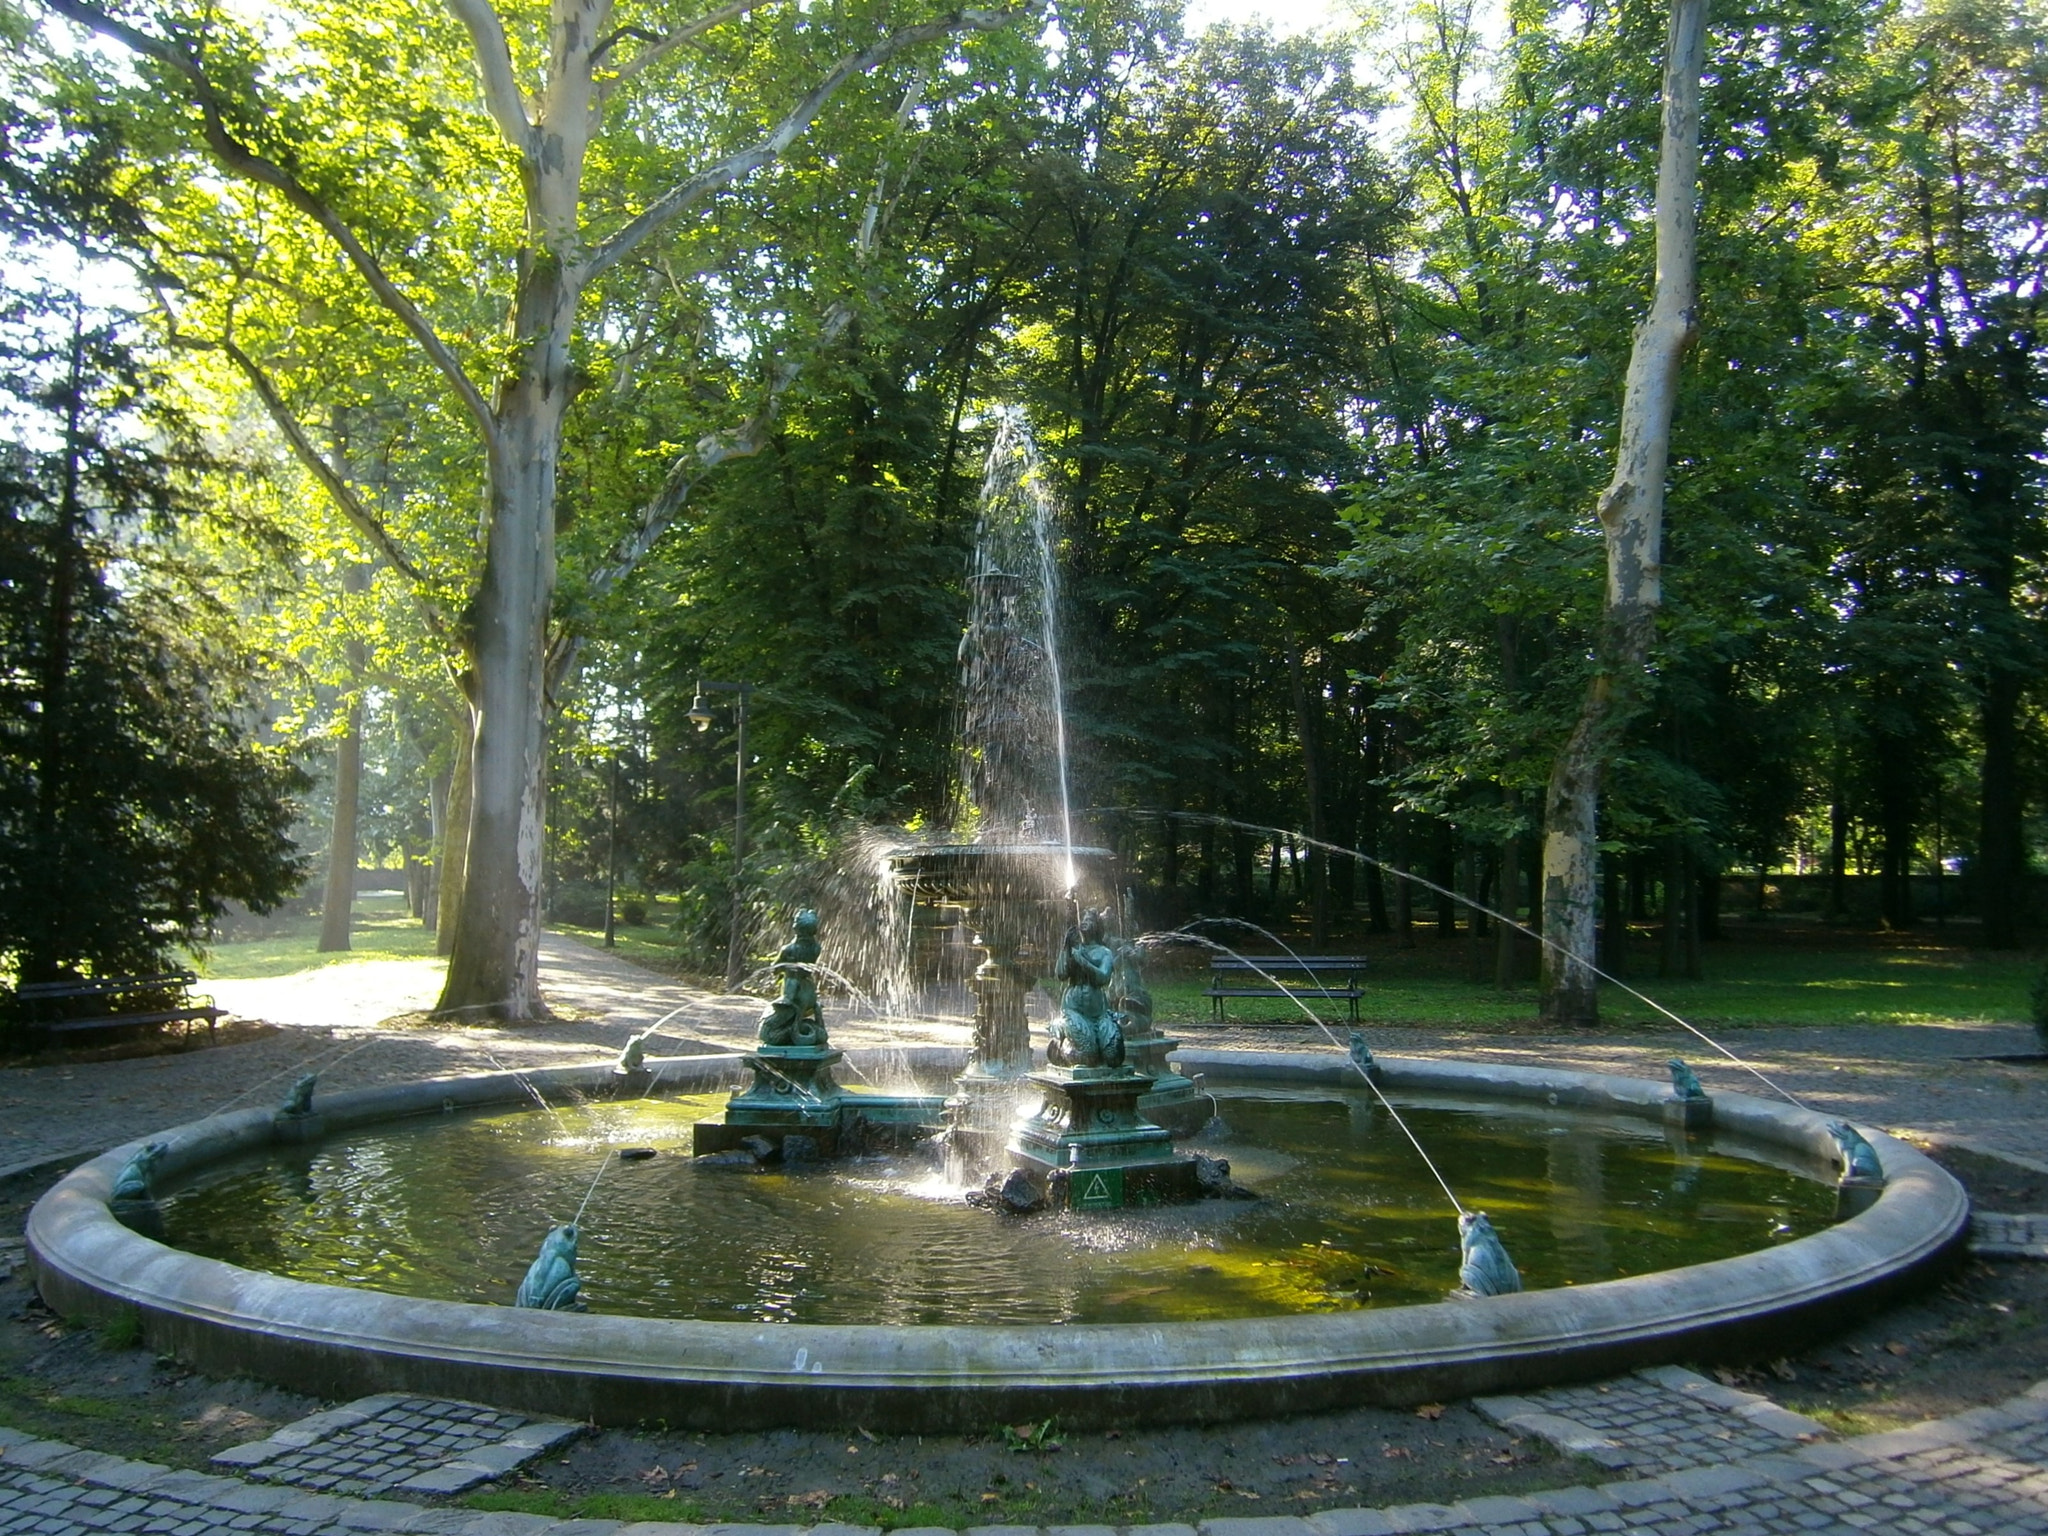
x=1013, y=731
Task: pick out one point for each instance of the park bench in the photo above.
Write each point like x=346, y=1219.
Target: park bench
x=46, y=1010
x=1305, y=978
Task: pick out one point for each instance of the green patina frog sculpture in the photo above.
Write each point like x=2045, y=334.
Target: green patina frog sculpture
x=1086, y=1034
x=132, y=1182
x=1685, y=1082
x=794, y=1018
x=300, y=1103
x=551, y=1284
x=1859, y=1157
x=1484, y=1268
x=634, y=1057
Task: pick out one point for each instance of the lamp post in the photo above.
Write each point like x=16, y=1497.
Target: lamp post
x=611, y=861
x=701, y=716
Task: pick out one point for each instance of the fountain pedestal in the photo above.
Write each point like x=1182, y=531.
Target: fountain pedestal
x=1172, y=1101
x=1091, y=1149
x=793, y=1094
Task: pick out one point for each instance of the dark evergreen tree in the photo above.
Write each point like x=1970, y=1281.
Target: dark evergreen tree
x=133, y=805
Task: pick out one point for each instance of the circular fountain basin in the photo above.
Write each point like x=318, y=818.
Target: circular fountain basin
x=339, y=1341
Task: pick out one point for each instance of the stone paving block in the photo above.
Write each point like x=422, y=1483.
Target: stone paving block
x=1500, y=1509
x=998, y=1530
x=1071, y=1530
x=1405, y=1518
x=836, y=1529
x=1575, y=1500
x=738, y=1528
x=1267, y=1525
x=505, y=1523
x=661, y=1528
x=1701, y=1482
x=450, y=1477
x=1350, y=1522
x=1169, y=1528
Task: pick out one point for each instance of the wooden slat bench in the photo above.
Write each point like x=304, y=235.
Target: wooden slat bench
x=47, y=1010
x=1307, y=979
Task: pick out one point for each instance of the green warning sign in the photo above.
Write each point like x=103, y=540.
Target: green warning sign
x=1098, y=1189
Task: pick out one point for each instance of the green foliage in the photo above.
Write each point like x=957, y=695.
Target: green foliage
x=137, y=805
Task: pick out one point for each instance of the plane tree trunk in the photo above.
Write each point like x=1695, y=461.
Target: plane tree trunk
x=1632, y=521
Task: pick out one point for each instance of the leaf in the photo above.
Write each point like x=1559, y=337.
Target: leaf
x=1430, y=1411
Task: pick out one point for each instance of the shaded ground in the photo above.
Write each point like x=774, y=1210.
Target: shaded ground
x=1976, y=1337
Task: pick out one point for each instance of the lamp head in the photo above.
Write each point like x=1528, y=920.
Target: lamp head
x=700, y=713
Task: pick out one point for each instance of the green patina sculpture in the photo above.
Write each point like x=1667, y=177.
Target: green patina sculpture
x=1484, y=1268
x=300, y=1104
x=1684, y=1082
x=1361, y=1054
x=1859, y=1157
x=551, y=1284
x=1086, y=1034
x=634, y=1057
x=132, y=1182
x=1129, y=998
x=794, y=1018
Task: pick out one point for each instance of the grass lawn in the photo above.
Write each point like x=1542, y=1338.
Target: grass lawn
x=1788, y=972
x=1787, y=975
x=382, y=930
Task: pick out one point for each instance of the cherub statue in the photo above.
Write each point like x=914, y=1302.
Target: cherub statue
x=132, y=1182
x=794, y=1017
x=1086, y=1034
x=551, y=1284
x=634, y=1057
x=1685, y=1083
x=1484, y=1268
x=1361, y=1054
x=300, y=1103
x=1859, y=1157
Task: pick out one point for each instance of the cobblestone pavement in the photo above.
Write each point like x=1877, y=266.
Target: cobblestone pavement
x=1981, y=1473
x=397, y=1444
x=1665, y=1419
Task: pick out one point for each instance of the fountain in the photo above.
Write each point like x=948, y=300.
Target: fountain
x=1012, y=879
x=1247, y=1319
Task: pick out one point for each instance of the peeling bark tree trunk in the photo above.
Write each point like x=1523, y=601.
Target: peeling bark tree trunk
x=454, y=866
x=338, y=902
x=1632, y=518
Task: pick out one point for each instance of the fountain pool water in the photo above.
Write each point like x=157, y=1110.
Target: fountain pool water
x=453, y=1208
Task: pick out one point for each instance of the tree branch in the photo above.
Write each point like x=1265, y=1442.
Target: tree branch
x=502, y=97
x=744, y=162
x=346, y=499
x=661, y=45
x=247, y=163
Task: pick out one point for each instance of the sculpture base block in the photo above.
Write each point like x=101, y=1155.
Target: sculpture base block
x=793, y=1094
x=1172, y=1101
x=1689, y=1114
x=1090, y=1149
x=295, y=1130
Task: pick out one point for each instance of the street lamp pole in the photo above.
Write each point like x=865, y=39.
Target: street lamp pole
x=701, y=716
x=611, y=861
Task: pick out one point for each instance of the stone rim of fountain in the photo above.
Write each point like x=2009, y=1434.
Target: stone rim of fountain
x=338, y=1342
